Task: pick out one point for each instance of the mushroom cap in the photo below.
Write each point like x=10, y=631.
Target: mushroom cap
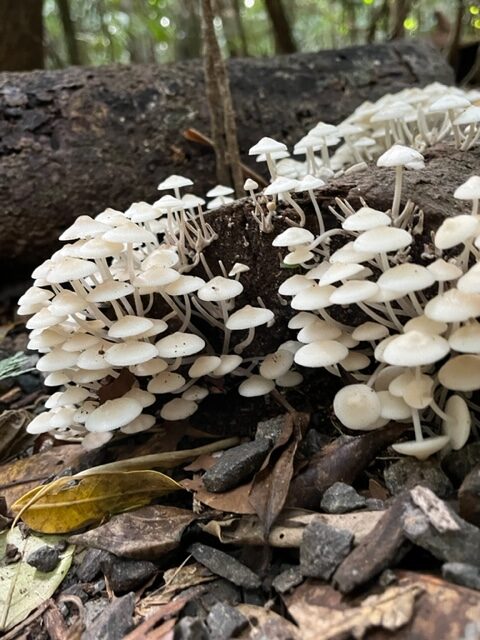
x=349, y=253
x=466, y=339
x=237, y=268
x=399, y=156
x=469, y=116
x=56, y=360
x=179, y=345
x=129, y=233
x=149, y=368
x=35, y=295
x=406, y=277
x=160, y=258
x=219, y=289
x=178, y=409
x=195, y=393
x=289, y=379
x=110, y=290
x=266, y=145
x=459, y=423
x=453, y=306
x=276, y=364
x=321, y=353
x=312, y=298
x=281, y=185
x=414, y=348
x=308, y=182
x=461, y=373
x=370, y=331
x=469, y=190
x=184, y=285
x=145, y=398
x=68, y=269
x=470, y=281
x=142, y=423
x=166, y=382
x=383, y=240
x=355, y=361
x=130, y=326
x=84, y=227
x=168, y=202
x=456, y=230
x=156, y=276
x=301, y=255
x=113, y=414
x=174, y=182
x=93, y=358
x=392, y=407
x=80, y=342
x=190, y=201
x=99, y=248
x=302, y=319
x=293, y=236
x=248, y=317
x=444, y=271
x=365, y=219
x=340, y=271
x=219, y=202
x=256, y=386
x=40, y=423
x=250, y=185
x=130, y=352
x=203, y=365
x=357, y=406
x=293, y=285
x=425, y=325
x=67, y=302
x=93, y=441
x=228, y=363
x=447, y=102
x=318, y=330
x=421, y=449
x=219, y=191
x=354, y=291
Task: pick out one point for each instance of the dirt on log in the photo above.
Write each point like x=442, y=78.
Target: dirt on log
x=78, y=140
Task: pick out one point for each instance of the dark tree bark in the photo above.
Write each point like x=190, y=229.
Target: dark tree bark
x=399, y=10
x=21, y=35
x=69, y=32
x=282, y=32
x=79, y=140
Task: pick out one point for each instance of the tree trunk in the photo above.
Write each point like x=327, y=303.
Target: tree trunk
x=21, y=35
x=69, y=32
x=400, y=10
x=79, y=140
x=282, y=32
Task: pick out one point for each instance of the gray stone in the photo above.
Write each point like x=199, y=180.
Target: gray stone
x=463, y=574
x=45, y=558
x=287, y=580
x=224, y=621
x=114, y=621
x=409, y=472
x=341, y=498
x=322, y=549
x=312, y=442
x=236, y=465
x=225, y=566
x=191, y=628
x=433, y=525
x=270, y=429
x=375, y=504
x=125, y=574
x=90, y=565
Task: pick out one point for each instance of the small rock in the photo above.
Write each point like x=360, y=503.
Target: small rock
x=270, y=429
x=114, y=621
x=287, y=580
x=409, y=472
x=125, y=574
x=312, y=442
x=341, y=498
x=463, y=574
x=191, y=628
x=219, y=590
x=45, y=558
x=375, y=504
x=236, y=465
x=322, y=549
x=458, y=464
x=433, y=525
x=225, y=566
x=225, y=622
x=90, y=566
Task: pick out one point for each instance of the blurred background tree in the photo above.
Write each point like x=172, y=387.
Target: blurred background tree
x=58, y=33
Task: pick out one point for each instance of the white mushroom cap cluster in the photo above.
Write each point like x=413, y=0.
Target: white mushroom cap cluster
x=91, y=308
x=422, y=351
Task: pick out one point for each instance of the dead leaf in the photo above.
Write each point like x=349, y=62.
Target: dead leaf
x=144, y=534
x=321, y=615
x=271, y=484
x=70, y=503
x=234, y=501
x=21, y=476
x=176, y=580
x=288, y=529
x=117, y=388
x=264, y=623
x=341, y=461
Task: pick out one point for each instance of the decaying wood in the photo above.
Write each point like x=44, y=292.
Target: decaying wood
x=78, y=140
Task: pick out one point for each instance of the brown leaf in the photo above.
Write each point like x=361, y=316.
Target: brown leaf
x=117, y=388
x=341, y=461
x=265, y=623
x=233, y=501
x=19, y=477
x=13, y=436
x=321, y=615
x=288, y=529
x=271, y=484
x=144, y=534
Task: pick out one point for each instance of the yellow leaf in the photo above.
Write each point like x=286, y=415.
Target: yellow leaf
x=70, y=503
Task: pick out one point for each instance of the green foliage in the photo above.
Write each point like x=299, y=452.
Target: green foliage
x=159, y=31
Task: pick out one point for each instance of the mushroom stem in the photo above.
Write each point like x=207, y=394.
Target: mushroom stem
x=271, y=165
x=397, y=192
x=288, y=198
x=321, y=224
x=244, y=344
x=417, y=425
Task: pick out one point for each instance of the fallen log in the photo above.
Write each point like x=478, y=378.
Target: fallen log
x=78, y=140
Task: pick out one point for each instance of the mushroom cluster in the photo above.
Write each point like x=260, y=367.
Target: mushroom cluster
x=120, y=322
